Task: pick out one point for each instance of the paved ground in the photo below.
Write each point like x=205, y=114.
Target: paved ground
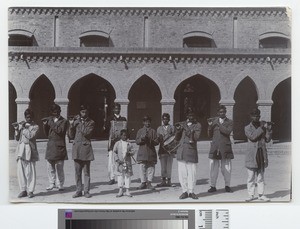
x=277, y=177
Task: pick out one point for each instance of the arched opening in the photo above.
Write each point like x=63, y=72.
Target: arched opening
x=20, y=37
x=41, y=95
x=275, y=42
x=281, y=111
x=198, y=42
x=144, y=99
x=199, y=94
x=99, y=95
x=95, y=38
x=198, y=39
x=245, y=97
x=12, y=109
x=20, y=40
x=94, y=41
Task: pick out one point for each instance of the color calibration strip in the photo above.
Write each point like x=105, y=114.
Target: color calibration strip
x=126, y=224
x=212, y=219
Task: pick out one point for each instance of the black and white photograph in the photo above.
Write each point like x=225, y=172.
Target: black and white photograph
x=150, y=104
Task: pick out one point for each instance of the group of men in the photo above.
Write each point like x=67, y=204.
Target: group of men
x=79, y=129
x=186, y=134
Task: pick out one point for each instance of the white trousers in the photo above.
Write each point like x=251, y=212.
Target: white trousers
x=255, y=176
x=26, y=175
x=56, y=173
x=214, y=166
x=187, y=176
x=124, y=181
x=110, y=166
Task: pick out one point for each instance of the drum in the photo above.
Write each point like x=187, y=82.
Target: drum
x=171, y=145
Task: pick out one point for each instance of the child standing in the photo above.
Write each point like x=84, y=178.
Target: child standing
x=164, y=132
x=123, y=151
x=147, y=139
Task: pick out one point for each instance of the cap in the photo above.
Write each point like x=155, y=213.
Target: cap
x=55, y=107
x=146, y=118
x=221, y=107
x=83, y=107
x=117, y=105
x=255, y=112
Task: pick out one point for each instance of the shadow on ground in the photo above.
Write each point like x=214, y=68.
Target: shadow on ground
x=279, y=194
x=222, y=191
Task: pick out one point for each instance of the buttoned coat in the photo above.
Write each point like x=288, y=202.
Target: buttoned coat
x=81, y=132
x=188, y=151
x=257, y=138
x=56, y=133
x=112, y=141
x=28, y=135
x=146, y=151
x=220, y=134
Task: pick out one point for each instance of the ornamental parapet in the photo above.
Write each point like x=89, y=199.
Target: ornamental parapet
x=165, y=12
x=149, y=55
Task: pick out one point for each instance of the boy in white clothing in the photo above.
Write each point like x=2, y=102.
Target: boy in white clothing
x=123, y=151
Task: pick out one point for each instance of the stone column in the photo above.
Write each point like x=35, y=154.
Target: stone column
x=229, y=107
x=63, y=103
x=124, y=106
x=22, y=105
x=167, y=106
x=265, y=107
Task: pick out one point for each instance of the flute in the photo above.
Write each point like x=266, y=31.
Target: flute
x=210, y=120
x=15, y=124
x=73, y=117
x=46, y=119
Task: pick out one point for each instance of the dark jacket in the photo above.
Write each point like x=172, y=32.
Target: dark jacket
x=81, y=132
x=257, y=138
x=221, y=143
x=56, y=133
x=146, y=151
x=112, y=140
x=188, y=151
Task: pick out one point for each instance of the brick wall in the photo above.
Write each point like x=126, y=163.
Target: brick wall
x=165, y=32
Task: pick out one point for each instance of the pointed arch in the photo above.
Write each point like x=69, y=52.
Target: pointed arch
x=110, y=78
x=154, y=76
x=12, y=108
x=239, y=78
x=274, y=83
x=174, y=83
x=98, y=94
x=144, y=99
x=281, y=111
x=41, y=95
x=245, y=96
x=199, y=94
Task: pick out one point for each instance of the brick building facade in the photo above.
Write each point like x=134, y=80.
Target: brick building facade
x=151, y=61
